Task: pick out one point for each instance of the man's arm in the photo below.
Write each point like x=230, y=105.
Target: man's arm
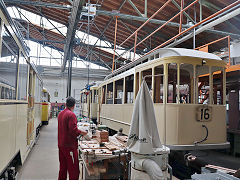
x=72, y=125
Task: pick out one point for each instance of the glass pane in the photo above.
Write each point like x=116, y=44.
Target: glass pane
x=203, y=84
x=158, y=85
x=22, y=79
x=186, y=83
x=110, y=93
x=103, y=94
x=217, y=85
x=8, y=66
x=172, y=83
x=118, y=91
x=147, y=74
x=129, y=89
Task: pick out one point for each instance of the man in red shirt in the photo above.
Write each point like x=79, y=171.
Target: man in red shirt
x=67, y=142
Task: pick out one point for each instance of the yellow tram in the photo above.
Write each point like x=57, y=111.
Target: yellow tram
x=89, y=103
x=46, y=107
x=188, y=88
x=20, y=98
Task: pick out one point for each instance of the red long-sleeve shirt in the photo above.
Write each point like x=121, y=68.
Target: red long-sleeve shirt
x=67, y=129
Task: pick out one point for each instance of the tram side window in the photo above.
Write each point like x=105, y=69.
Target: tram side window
x=118, y=91
x=203, y=84
x=172, y=83
x=110, y=93
x=137, y=83
x=147, y=74
x=129, y=89
x=217, y=85
x=158, y=85
x=103, y=100
x=95, y=96
x=8, y=65
x=22, y=79
x=186, y=83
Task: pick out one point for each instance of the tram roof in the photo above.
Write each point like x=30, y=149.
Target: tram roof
x=163, y=53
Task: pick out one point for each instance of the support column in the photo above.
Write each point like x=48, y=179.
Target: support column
x=69, y=80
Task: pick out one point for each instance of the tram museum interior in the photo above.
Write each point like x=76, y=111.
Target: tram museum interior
x=119, y=89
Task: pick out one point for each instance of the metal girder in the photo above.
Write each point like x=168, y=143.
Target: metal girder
x=189, y=17
x=134, y=7
x=109, y=22
x=213, y=8
x=124, y=24
x=37, y=29
x=207, y=26
x=49, y=21
x=156, y=21
x=39, y=4
x=46, y=41
x=73, y=22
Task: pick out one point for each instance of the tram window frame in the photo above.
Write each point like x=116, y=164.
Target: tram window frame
x=129, y=90
x=137, y=85
x=205, y=88
x=158, y=84
x=148, y=72
x=118, y=96
x=187, y=82
x=110, y=93
x=103, y=100
x=173, y=80
x=23, y=68
x=95, y=96
x=217, y=85
x=9, y=53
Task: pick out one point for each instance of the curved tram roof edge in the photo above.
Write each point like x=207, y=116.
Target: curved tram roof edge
x=165, y=52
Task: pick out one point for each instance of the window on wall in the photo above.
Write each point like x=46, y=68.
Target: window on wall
x=172, y=83
x=110, y=93
x=217, y=85
x=118, y=91
x=186, y=83
x=158, y=85
x=129, y=89
x=22, y=78
x=203, y=84
x=8, y=65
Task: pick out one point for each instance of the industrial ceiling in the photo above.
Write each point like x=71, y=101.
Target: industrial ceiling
x=130, y=14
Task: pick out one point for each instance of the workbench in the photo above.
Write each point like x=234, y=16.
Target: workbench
x=98, y=162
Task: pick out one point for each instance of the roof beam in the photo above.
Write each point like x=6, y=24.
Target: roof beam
x=73, y=22
x=179, y=7
x=156, y=21
x=39, y=4
x=205, y=27
x=135, y=8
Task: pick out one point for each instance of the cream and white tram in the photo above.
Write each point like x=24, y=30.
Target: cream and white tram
x=188, y=91
x=89, y=103
x=20, y=98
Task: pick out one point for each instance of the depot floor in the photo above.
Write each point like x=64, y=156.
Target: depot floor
x=42, y=163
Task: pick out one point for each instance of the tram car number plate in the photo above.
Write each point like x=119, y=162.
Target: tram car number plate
x=204, y=113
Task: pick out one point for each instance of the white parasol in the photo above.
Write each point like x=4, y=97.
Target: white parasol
x=143, y=136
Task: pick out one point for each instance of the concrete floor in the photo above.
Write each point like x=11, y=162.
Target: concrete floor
x=42, y=162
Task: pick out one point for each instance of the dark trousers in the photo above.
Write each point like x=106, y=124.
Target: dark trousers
x=68, y=159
